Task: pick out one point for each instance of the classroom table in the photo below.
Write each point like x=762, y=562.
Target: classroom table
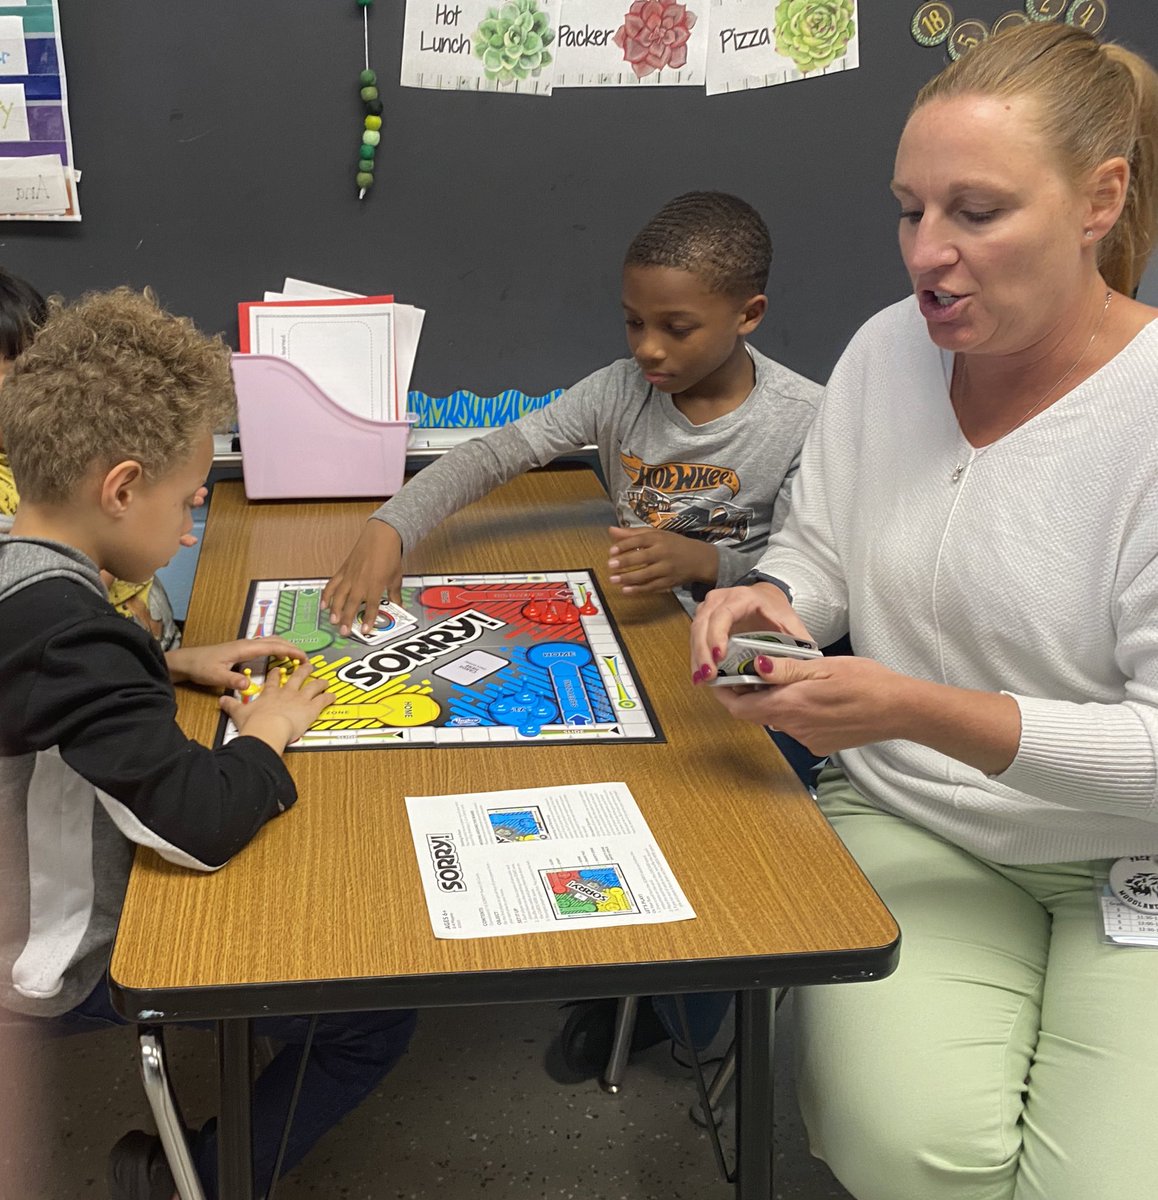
x=324, y=911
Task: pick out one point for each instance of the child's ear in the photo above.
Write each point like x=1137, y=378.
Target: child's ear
x=752, y=313
x=119, y=486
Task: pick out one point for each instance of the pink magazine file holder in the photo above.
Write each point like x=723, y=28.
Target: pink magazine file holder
x=296, y=443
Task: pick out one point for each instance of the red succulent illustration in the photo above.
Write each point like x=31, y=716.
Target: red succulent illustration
x=654, y=35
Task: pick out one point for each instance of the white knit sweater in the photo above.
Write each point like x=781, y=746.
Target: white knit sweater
x=1035, y=574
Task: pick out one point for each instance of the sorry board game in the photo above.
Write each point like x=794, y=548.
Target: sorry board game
x=468, y=660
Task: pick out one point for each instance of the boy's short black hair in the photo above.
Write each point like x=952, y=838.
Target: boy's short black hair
x=22, y=312
x=717, y=236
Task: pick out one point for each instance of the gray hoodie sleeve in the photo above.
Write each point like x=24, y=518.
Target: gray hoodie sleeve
x=460, y=477
x=468, y=472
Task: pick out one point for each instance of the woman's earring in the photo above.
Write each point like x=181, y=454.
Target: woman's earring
x=1089, y=233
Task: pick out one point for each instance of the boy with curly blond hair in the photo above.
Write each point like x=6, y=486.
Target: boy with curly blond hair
x=22, y=311
x=108, y=421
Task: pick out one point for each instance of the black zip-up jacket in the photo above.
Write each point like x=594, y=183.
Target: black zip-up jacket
x=91, y=761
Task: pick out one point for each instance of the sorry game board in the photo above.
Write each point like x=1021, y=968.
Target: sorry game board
x=473, y=660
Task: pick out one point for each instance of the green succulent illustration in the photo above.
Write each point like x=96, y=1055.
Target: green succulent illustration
x=814, y=33
x=512, y=41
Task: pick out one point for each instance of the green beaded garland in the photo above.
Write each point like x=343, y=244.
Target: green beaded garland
x=372, y=123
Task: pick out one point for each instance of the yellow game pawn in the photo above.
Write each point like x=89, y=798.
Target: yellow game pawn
x=251, y=688
x=282, y=675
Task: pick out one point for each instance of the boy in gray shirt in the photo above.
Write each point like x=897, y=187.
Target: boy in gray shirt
x=698, y=434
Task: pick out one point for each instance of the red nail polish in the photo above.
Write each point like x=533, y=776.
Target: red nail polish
x=717, y=654
x=696, y=676
x=764, y=665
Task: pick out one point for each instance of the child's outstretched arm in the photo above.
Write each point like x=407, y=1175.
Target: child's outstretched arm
x=465, y=474
x=374, y=565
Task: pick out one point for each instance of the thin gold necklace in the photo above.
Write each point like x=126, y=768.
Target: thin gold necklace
x=959, y=469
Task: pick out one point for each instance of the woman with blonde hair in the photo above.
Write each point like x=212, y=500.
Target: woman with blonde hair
x=978, y=506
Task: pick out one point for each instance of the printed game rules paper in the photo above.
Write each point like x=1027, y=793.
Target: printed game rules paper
x=472, y=45
x=632, y=43
x=762, y=43
x=536, y=860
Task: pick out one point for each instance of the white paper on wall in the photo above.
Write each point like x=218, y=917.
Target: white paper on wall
x=13, y=52
x=33, y=185
x=505, y=46
x=762, y=43
x=632, y=43
x=13, y=113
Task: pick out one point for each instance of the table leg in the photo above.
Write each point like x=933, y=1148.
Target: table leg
x=754, y=1029
x=170, y=1125
x=235, y=1116
x=625, y=1016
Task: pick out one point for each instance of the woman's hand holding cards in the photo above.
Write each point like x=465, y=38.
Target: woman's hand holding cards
x=733, y=610
x=826, y=704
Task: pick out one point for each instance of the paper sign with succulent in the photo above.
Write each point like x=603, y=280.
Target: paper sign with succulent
x=654, y=35
x=814, y=33
x=512, y=41
x=632, y=43
x=506, y=46
x=746, y=46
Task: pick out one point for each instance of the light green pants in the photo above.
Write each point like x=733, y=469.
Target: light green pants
x=1012, y=1056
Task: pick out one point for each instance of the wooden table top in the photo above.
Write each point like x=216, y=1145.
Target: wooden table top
x=324, y=909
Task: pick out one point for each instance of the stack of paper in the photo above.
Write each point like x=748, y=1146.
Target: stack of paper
x=359, y=350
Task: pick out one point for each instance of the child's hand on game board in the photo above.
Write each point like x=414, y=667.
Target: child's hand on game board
x=373, y=569
x=281, y=711
x=215, y=666
x=643, y=559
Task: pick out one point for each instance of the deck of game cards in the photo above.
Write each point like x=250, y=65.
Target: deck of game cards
x=738, y=666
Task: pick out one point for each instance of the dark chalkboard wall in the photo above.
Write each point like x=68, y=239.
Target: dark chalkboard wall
x=217, y=140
